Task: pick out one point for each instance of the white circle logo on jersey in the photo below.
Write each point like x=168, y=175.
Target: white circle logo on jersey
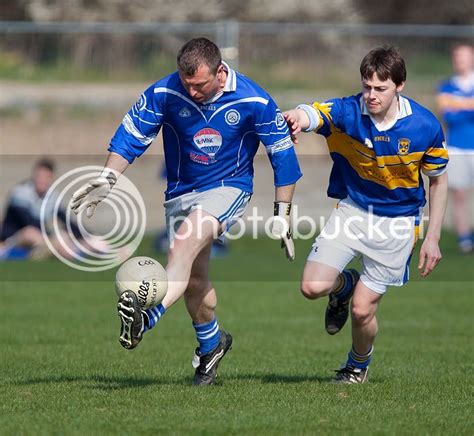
x=232, y=117
x=141, y=103
x=98, y=243
x=280, y=120
x=208, y=140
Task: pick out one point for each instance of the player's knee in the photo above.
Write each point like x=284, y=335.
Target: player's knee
x=361, y=315
x=31, y=236
x=315, y=289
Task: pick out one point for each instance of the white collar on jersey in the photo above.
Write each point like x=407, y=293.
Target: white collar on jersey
x=229, y=85
x=466, y=83
x=404, y=110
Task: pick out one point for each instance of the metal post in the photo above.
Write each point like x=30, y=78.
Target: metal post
x=227, y=38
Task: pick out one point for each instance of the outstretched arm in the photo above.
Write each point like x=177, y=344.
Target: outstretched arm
x=297, y=120
x=430, y=254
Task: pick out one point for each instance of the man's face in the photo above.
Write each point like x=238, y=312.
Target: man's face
x=379, y=95
x=463, y=59
x=203, y=85
x=43, y=179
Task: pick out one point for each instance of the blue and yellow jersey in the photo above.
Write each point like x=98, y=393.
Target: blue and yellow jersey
x=380, y=168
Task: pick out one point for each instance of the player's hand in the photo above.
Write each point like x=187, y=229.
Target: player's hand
x=93, y=192
x=281, y=227
x=292, y=119
x=430, y=255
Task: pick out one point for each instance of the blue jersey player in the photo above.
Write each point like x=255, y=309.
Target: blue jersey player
x=380, y=142
x=212, y=120
x=456, y=103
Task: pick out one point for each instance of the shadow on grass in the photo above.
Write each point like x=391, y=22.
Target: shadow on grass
x=281, y=378
x=116, y=382
x=103, y=382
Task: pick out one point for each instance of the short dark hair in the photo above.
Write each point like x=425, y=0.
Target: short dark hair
x=45, y=163
x=386, y=62
x=196, y=52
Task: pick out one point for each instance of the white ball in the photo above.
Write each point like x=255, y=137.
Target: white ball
x=145, y=277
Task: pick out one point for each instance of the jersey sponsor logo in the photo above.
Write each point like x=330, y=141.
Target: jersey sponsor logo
x=280, y=120
x=209, y=141
x=185, y=112
x=208, y=107
x=141, y=103
x=232, y=117
x=403, y=146
x=281, y=145
x=200, y=158
x=382, y=138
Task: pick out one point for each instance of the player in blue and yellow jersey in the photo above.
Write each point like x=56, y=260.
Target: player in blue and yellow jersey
x=456, y=103
x=212, y=120
x=380, y=142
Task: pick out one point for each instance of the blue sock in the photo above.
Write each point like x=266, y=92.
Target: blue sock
x=359, y=360
x=345, y=287
x=153, y=315
x=208, y=335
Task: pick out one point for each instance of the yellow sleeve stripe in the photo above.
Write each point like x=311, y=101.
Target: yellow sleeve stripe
x=437, y=152
x=431, y=167
x=325, y=109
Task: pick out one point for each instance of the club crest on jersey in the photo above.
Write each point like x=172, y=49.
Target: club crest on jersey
x=232, y=117
x=185, y=112
x=208, y=141
x=403, y=146
x=141, y=103
x=280, y=120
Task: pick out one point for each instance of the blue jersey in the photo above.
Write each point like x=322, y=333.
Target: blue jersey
x=379, y=168
x=460, y=123
x=210, y=144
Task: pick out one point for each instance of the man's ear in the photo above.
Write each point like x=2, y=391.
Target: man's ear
x=400, y=87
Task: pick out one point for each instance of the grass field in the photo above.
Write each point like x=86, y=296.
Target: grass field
x=63, y=371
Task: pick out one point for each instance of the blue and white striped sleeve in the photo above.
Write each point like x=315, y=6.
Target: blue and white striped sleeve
x=273, y=132
x=139, y=127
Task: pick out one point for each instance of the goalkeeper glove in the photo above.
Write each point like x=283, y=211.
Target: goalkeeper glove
x=281, y=227
x=93, y=192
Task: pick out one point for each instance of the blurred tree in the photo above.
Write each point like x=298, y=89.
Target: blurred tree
x=14, y=10
x=417, y=11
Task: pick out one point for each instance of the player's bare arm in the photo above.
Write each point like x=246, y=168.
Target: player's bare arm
x=116, y=162
x=430, y=254
x=449, y=102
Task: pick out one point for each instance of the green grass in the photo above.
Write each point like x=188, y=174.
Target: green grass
x=63, y=371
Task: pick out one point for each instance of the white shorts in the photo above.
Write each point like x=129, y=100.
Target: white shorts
x=225, y=203
x=460, y=168
x=384, y=244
